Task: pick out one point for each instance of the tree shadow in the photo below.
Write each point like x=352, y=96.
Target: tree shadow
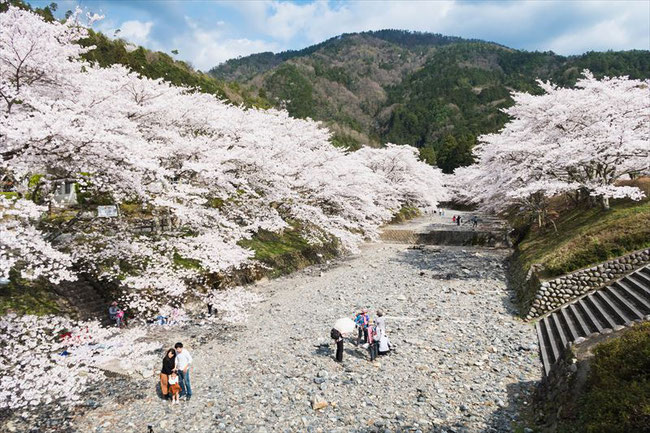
x=508, y=416
x=455, y=263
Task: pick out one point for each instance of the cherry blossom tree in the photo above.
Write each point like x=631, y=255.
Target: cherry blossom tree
x=53, y=359
x=578, y=140
x=219, y=174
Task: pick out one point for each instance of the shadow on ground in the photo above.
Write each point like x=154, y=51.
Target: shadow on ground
x=455, y=263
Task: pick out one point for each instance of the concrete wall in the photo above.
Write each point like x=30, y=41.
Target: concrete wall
x=447, y=237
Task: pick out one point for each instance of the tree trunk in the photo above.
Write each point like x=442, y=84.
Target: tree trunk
x=605, y=202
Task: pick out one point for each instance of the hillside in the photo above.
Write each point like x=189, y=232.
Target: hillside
x=436, y=92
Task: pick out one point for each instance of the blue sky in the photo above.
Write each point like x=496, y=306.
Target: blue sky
x=207, y=33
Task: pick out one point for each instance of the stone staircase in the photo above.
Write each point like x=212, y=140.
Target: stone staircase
x=84, y=299
x=625, y=301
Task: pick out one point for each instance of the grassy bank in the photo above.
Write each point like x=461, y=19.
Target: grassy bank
x=586, y=236
x=617, y=393
x=599, y=386
x=288, y=251
x=405, y=213
x=27, y=297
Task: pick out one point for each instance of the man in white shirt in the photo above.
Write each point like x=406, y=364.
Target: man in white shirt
x=183, y=364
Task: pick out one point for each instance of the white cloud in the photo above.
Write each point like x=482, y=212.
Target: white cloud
x=565, y=27
x=207, y=48
x=231, y=29
x=136, y=31
x=622, y=30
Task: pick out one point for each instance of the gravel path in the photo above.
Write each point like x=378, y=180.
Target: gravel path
x=462, y=359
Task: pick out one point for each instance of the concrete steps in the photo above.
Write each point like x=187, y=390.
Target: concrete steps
x=84, y=299
x=625, y=301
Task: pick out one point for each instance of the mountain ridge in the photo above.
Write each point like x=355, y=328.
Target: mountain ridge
x=433, y=91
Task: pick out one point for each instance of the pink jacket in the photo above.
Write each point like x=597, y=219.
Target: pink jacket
x=372, y=334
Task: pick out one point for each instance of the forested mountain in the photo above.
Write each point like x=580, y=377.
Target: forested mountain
x=436, y=92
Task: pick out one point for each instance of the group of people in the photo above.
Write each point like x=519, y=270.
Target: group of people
x=175, y=374
x=458, y=219
x=371, y=333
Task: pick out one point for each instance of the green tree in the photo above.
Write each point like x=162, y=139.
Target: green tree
x=428, y=155
x=455, y=153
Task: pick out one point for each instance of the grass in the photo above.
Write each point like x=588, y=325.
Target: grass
x=27, y=297
x=269, y=245
x=186, y=263
x=9, y=194
x=617, y=394
x=586, y=237
x=288, y=251
x=405, y=213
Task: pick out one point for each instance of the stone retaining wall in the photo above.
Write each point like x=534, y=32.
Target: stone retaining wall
x=447, y=237
x=554, y=293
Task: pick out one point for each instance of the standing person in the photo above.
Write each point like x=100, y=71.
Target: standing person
x=121, y=320
x=373, y=340
x=380, y=321
x=168, y=367
x=338, y=339
x=174, y=387
x=384, y=343
x=361, y=320
x=453, y=219
x=474, y=221
x=458, y=220
x=183, y=366
x=358, y=321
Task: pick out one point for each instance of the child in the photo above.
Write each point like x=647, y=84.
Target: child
x=120, y=318
x=373, y=340
x=174, y=387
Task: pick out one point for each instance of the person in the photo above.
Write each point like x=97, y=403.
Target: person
x=121, y=321
x=474, y=221
x=183, y=367
x=458, y=220
x=453, y=219
x=113, y=313
x=174, y=316
x=174, y=387
x=361, y=320
x=168, y=367
x=338, y=339
x=380, y=321
x=384, y=343
x=373, y=341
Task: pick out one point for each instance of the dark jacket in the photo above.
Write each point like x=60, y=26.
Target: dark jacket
x=169, y=364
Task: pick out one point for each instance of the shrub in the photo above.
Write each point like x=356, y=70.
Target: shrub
x=617, y=399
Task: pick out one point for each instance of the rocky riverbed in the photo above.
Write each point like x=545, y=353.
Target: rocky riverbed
x=463, y=361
